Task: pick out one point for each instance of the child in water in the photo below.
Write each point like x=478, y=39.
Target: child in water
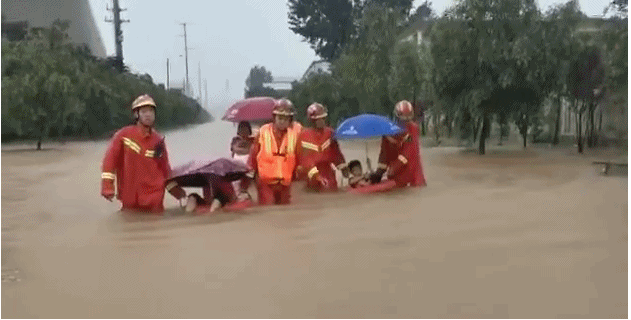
x=358, y=178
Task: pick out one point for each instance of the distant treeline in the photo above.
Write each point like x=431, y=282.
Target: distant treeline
x=53, y=89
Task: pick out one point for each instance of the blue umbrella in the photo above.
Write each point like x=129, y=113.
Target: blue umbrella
x=367, y=126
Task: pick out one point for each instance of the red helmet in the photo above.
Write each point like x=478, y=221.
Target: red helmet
x=317, y=111
x=283, y=107
x=143, y=101
x=403, y=110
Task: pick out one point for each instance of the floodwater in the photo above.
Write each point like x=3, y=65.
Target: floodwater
x=513, y=234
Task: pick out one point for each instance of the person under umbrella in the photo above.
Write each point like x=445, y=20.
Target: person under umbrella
x=274, y=156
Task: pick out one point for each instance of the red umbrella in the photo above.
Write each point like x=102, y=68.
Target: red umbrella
x=251, y=109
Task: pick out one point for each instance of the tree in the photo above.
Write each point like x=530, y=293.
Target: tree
x=620, y=6
x=424, y=12
x=257, y=77
x=51, y=89
x=364, y=67
x=559, y=25
x=405, y=75
x=329, y=25
x=585, y=81
x=321, y=88
x=485, y=49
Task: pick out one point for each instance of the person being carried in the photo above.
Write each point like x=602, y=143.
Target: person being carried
x=273, y=157
x=138, y=161
x=319, y=151
x=218, y=193
x=400, y=157
x=357, y=177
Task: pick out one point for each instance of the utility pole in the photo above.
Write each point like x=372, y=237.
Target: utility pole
x=206, y=94
x=199, y=80
x=167, y=73
x=186, y=87
x=118, y=34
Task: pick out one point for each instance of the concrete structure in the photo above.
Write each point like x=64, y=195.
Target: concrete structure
x=42, y=13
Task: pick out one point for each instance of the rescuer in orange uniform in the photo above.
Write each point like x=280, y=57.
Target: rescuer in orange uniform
x=319, y=150
x=137, y=159
x=400, y=156
x=274, y=156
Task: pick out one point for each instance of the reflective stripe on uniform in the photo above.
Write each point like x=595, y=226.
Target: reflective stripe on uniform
x=267, y=140
x=312, y=172
x=150, y=153
x=403, y=159
x=171, y=185
x=108, y=175
x=131, y=145
x=291, y=141
x=310, y=146
x=326, y=144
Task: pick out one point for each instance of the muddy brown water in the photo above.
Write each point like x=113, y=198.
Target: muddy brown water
x=514, y=234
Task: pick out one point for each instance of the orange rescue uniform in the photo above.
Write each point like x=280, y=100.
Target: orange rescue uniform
x=402, y=155
x=274, y=157
x=140, y=175
x=318, y=151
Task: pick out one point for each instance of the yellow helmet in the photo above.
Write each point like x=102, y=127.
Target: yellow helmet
x=143, y=101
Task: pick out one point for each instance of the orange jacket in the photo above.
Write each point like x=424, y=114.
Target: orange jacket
x=275, y=158
x=140, y=175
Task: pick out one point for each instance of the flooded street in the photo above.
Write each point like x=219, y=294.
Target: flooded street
x=514, y=234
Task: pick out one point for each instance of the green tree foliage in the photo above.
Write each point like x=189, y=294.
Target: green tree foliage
x=363, y=68
x=484, y=50
x=329, y=25
x=559, y=26
x=255, y=83
x=585, y=80
x=52, y=89
x=257, y=77
x=321, y=88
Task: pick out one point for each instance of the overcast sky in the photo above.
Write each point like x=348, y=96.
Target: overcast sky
x=226, y=37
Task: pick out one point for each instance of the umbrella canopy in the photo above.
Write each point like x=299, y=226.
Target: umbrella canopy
x=367, y=126
x=197, y=173
x=256, y=109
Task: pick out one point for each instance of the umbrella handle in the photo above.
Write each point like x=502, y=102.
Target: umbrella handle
x=368, y=159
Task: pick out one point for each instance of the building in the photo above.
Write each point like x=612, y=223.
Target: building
x=42, y=13
x=282, y=85
x=318, y=66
